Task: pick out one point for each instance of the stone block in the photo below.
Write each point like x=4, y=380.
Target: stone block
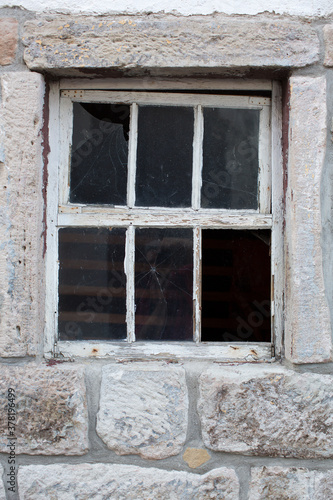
x=63, y=42
x=270, y=483
x=307, y=324
x=328, y=39
x=257, y=410
x=2, y=487
x=50, y=409
x=143, y=410
x=95, y=481
x=21, y=215
x=8, y=40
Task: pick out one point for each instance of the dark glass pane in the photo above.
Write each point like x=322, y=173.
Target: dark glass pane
x=236, y=286
x=98, y=172
x=230, y=159
x=164, y=156
x=92, y=284
x=164, y=284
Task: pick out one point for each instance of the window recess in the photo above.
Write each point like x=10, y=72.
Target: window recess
x=164, y=225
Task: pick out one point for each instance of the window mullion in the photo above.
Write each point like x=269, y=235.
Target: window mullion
x=133, y=138
x=197, y=283
x=66, y=132
x=264, y=162
x=197, y=157
x=129, y=271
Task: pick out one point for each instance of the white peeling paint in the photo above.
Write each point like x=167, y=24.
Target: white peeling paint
x=185, y=7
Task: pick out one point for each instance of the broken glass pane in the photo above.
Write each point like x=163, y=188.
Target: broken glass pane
x=164, y=284
x=92, y=284
x=230, y=159
x=236, y=285
x=164, y=156
x=98, y=173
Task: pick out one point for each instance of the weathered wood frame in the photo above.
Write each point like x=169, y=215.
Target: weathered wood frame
x=62, y=214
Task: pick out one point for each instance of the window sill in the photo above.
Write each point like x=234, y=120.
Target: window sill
x=214, y=351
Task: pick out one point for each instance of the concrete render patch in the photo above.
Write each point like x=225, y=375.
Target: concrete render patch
x=123, y=482
x=166, y=41
x=270, y=483
x=195, y=457
x=308, y=325
x=267, y=411
x=50, y=409
x=185, y=7
x=21, y=214
x=143, y=410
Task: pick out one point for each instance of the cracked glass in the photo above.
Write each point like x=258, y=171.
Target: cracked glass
x=92, y=284
x=230, y=159
x=164, y=284
x=98, y=170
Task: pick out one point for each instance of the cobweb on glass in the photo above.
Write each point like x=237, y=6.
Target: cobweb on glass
x=164, y=284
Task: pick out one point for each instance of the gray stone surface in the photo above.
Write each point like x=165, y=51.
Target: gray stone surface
x=323, y=485
x=262, y=410
x=2, y=487
x=123, y=482
x=21, y=215
x=307, y=324
x=271, y=483
x=143, y=410
x=166, y=41
x=328, y=39
x=50, y=409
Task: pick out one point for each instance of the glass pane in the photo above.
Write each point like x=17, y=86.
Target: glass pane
x=98, y=172
x=230, y=159
x=164, y=284
x=92, y=284
x=236, y=277
x=164, y=156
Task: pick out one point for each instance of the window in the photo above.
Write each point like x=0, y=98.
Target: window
x=163, y=226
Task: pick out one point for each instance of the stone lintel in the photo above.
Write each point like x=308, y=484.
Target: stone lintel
x=66, y=42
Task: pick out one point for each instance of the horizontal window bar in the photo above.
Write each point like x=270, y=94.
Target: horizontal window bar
x=159, y=84
x=221, y=220
x=104, y=96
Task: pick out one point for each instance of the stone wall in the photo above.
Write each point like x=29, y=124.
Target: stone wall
x=115, y=428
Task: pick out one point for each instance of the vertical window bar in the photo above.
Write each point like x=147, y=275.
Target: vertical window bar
x=197, y=284
x=264, y=161
x=277, y=257
x=51, y=299
x=197, y=156
x=66, y=133
x=129, y=271
x=132, y=148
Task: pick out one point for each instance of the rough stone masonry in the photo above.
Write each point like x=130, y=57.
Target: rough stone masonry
x=91, y=427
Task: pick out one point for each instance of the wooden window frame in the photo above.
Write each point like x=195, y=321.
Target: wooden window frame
x=61, y=213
